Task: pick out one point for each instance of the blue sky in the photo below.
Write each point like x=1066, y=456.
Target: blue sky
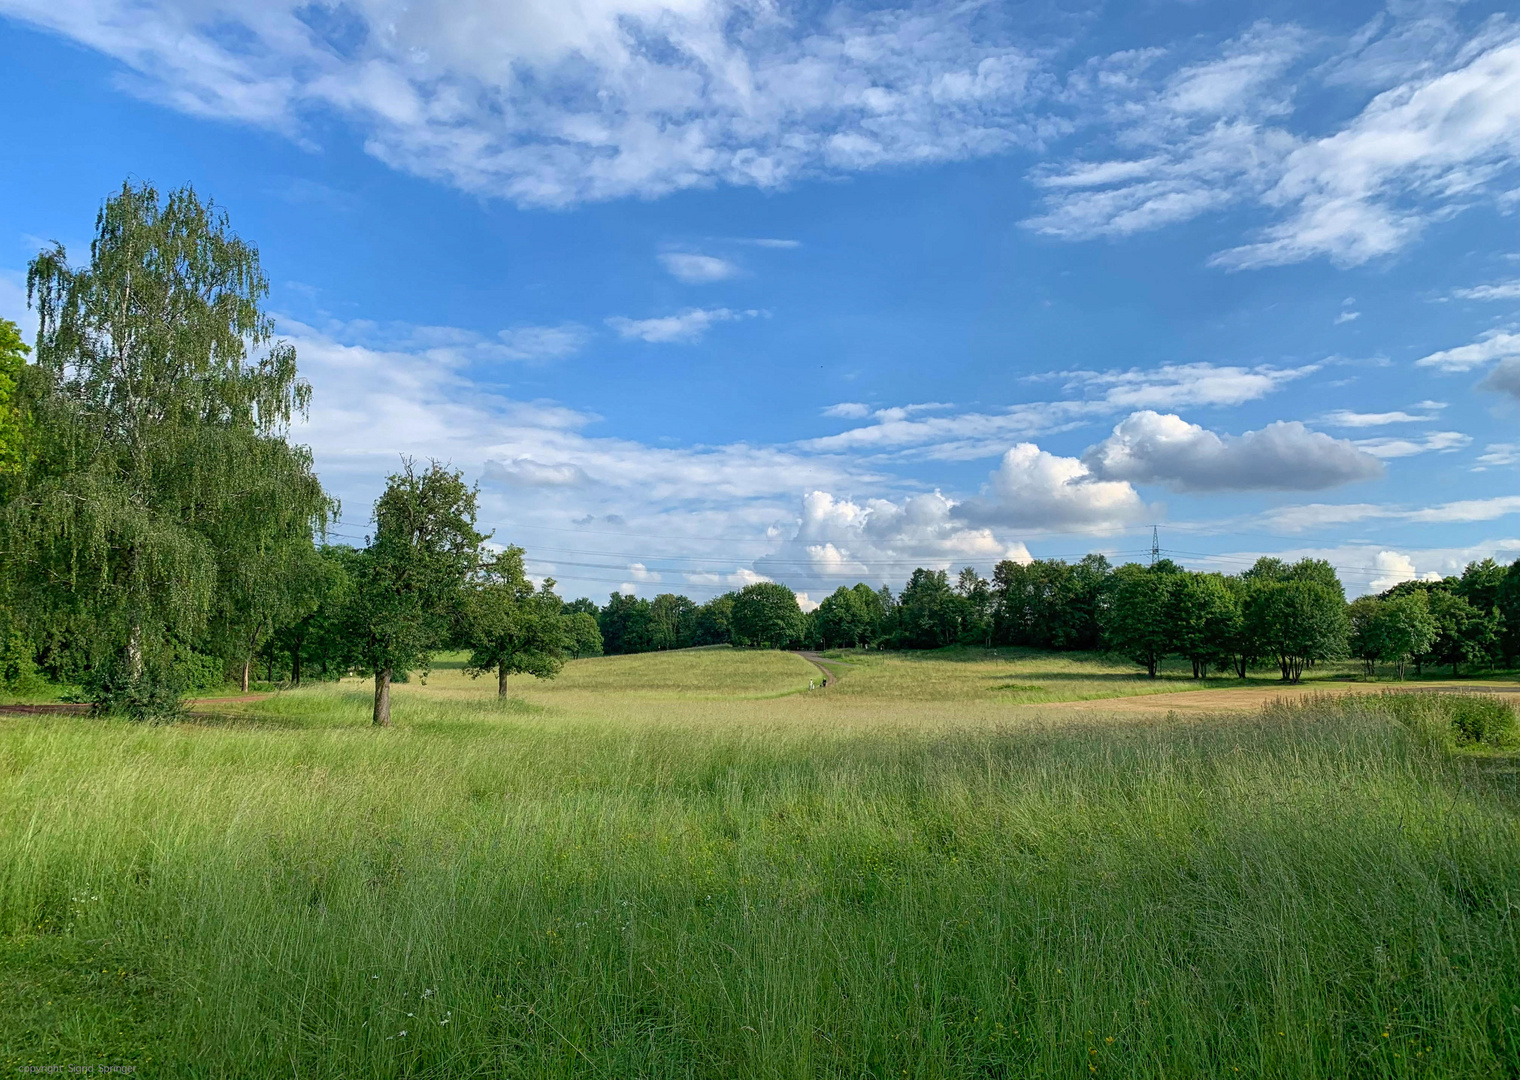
x=701, y=291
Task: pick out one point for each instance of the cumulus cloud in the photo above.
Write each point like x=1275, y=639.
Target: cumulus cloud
x=1150, y=447
x=1034, y=489
x=1394, y=568
x=839, y=541
x=1490, y=346
x=1504, y=378
x=695, y=269
x=686, y=327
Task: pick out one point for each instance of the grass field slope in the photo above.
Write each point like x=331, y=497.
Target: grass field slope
x=690, y=865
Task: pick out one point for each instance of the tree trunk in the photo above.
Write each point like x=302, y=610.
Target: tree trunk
x=501, y=679
x=135, y=651
x=271, y=667
x=295, y=666
x=1150, y=666
x=383, y=698
x=247, y=663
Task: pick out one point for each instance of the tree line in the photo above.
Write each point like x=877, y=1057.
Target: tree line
x=1275, y=614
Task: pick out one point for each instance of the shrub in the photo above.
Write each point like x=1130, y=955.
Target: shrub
x=1479, y=718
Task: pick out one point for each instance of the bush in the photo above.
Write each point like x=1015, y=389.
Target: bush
x=1479, y=718
x=18, y=666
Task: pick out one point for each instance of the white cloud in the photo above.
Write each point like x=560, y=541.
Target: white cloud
x=543, y=342
x=1347, y=316
x=1149, y=447
x=1034, y=489
x=695, y=269
x=771, y=242
x=848, y=410
x=1499, y=454
x=642, y=574
x=1351, y=419
x=549, y=103
x=1442, y=442
x=1492, y=345
x=967, y=436
x=1414, y=152
x=688, y=326
x=1221, y=133
x=1502, y=290
x=1321, y=515
x=838, y=541
x=1395, y=569
x=1173, y=386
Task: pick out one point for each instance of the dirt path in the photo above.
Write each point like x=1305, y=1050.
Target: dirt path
x=1250, y=698
x=817, y=660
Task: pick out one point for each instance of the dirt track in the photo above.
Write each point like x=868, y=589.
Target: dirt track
x=1250, y=698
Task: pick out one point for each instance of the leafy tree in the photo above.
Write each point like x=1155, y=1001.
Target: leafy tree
x=1507, y=600
x=976, y=605
x=714, y=622
x=157, y=463
x=12, y=362
x=1366, y=624
x=1404, y=628
x=930, y=614
x=766, y=615
x=1138, y=623
x=510, y=627
x=1464, y=635
x=584, y=605
x=673, y=620
x=1298, y=622
x=583, y=637
x=1203, y=613
x=627, y=625
x=424, y=548
x=1238, y=650
x=318, y=584
x=845, y=619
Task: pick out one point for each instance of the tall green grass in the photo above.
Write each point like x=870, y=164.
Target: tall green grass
x=1320, y=890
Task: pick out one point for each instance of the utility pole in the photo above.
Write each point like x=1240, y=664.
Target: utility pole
x=1155, y=544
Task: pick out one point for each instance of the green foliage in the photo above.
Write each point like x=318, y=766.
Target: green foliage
x=1480, y=718
x=583, y=637
x=18, y=665
x=1204, y=614
x=12, y=362
x=766, y=615
x=1050, y=604
x=673, y=620
x=1298, y=620
x=158, y=491
x=847, y=618
x=1138, y=621
x=1391, y=630
x=408, y=583
x=929, y=613
x=627, y=624
x=1464, y=634
x=509, y=626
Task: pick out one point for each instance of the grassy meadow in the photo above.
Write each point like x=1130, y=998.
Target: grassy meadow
x=688, y=865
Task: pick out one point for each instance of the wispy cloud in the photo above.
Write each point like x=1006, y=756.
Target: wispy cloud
x=1499, y=290
x=1352, y=419
x=1490, y=346
x=685, y=327
x=697, y=269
